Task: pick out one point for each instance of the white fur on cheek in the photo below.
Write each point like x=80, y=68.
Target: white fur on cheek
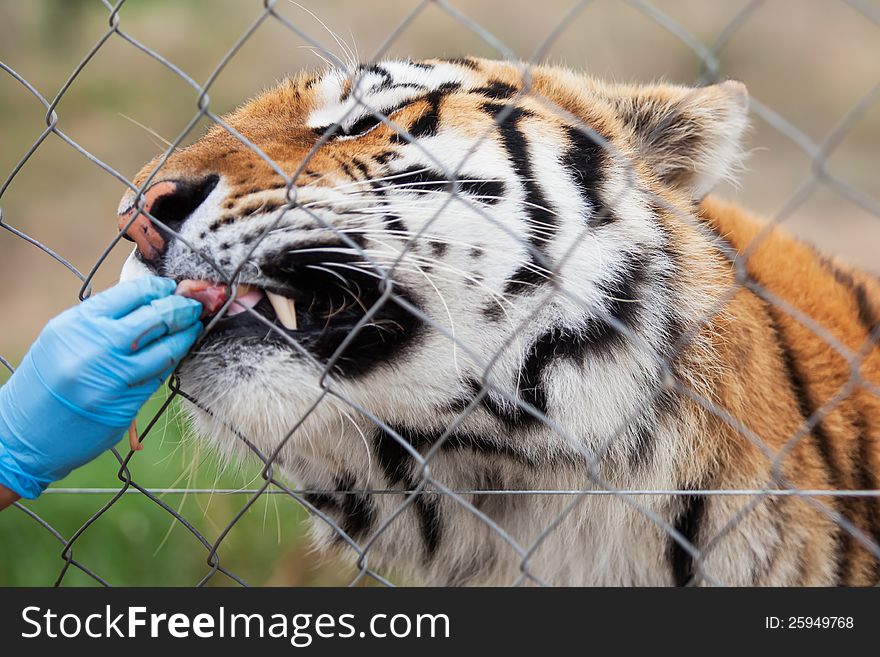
x=133, y=268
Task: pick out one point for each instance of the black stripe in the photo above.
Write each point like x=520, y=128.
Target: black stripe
x=497, y=90
x=488, y=479
x=847, y=506
x=867, y=316
x=367, y=122
x=321, y=501
x=515, y=143
x=428, y=123
x=623, y=296
x=373, y=68
x=420, y=179
x=362, y=168
x=585, y=159
x=363, y=125
x=384, y=157
x=510, y=113
x=765, y=562
x=405, y=85
x=687, y=523
x=542, y=221
x=489, y=192
x=416, y=178
x=573, y=345
x=347, y=171
x=806, y=409
x=358, y=510
x=428, y=513
x=393, y=458
x=868, y=508
x=509, y=414
x=522, y=280
x=599, y=339
x=378, y=70
x=549, y=346
x=866, y=480
x=467, y=62
x=447, y=88
x=644, y=443
x=394, y=222
x=462, y=440
x=397, y=463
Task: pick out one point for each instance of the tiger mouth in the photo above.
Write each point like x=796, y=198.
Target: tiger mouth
x=281, y=311
x=214, y=297
x=317, y=306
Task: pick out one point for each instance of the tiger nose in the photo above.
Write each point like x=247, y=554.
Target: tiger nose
x=170, y=202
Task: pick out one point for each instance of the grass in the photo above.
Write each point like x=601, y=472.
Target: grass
x=137, y=543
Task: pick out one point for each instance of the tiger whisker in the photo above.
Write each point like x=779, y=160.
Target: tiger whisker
x=360, y=183
x=539, y=234
x=497, y=297
x=328, y=271
x=428, y=237
x=329, y=205
x=346, y=49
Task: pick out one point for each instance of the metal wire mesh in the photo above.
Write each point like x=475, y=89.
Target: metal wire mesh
x=424, y=483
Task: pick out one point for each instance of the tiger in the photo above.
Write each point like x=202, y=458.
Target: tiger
x=488, y=320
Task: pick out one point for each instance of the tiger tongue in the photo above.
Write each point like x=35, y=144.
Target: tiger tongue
x=211, y=295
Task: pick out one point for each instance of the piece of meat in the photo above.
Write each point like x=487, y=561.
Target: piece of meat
x=134, y=441
x=211, y=295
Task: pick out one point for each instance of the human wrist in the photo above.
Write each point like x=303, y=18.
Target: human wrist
x=7, y=497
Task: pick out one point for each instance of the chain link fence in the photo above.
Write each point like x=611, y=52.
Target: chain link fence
x=73, y=555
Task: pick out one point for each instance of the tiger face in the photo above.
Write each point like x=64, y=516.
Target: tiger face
x=460, y=258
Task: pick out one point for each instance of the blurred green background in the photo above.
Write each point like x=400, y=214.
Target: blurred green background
x=809, y=60
x=137, y=543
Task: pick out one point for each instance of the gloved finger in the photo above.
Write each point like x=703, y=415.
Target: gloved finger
x=163, y=377
x=164, y=353
x=152, y=385
x=144, y=390
x=148, y=323
x=121, y=299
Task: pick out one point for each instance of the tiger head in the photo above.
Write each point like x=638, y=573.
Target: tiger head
x=453, y=249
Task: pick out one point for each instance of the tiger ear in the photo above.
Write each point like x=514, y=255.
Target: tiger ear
x=690, y=137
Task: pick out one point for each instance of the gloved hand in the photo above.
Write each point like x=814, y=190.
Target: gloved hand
x=87, y=375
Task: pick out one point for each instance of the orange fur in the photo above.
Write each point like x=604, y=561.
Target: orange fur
x=842, y=450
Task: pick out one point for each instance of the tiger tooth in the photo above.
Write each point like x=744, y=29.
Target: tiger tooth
x=285, y=309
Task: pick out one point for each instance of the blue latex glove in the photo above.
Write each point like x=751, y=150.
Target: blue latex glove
x=87, y=375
